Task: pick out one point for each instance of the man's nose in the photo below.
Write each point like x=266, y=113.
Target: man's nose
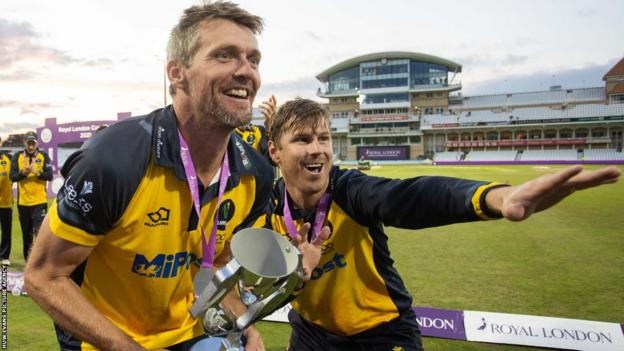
x=314, y=147
x=246, y=69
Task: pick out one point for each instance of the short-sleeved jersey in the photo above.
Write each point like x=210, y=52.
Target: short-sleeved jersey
x=31, y=188
x=355, y=286
x=6, y=184
x=126, y=195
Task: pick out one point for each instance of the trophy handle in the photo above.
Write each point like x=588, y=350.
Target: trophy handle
x=223, y=280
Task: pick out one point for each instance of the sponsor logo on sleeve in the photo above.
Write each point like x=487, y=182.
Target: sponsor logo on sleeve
x=73, y=198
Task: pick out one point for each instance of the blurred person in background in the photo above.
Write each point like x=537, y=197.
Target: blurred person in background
x=6, y=207
x=31, y=170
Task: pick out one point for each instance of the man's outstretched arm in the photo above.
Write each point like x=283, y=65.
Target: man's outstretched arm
x=517, y=203
x=48, y=283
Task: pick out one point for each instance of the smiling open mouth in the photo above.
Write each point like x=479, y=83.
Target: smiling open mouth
x=237, y=93
x=314, y=167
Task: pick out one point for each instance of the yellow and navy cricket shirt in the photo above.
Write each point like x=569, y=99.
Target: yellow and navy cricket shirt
x=255, y=136
x=355, y=286
x=31, y=188
x=6, y=184
x=126, y=195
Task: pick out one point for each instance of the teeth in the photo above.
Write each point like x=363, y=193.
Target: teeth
x=237, y=92
x=314, y=167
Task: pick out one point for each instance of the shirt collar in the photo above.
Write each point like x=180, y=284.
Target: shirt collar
x=166, y=146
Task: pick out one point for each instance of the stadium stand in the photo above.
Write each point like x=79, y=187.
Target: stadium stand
x=482, y=101
x=551, y=97
x=549, y=155
x=491, y=156
x=438, y=122
x=602, y=154
x=447, y=156
x=523, y=115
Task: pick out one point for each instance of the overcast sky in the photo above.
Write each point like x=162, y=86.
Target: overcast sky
x=88, y=60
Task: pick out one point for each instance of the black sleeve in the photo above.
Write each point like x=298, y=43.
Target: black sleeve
x=411, y=203
x=101, y=179
x=46, y=171
x=15, y=173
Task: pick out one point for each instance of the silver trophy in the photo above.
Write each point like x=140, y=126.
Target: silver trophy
x=264, y=270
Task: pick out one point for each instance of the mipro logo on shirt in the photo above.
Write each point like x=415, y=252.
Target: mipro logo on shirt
x=158, y=217
x=164, y=265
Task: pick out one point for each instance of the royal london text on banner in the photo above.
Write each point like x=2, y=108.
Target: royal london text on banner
x=440, y=323
x=573, y=334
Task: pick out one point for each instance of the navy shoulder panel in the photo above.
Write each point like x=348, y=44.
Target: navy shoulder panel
x=101, y=177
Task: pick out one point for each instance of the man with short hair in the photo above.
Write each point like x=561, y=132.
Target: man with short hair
x=152, y=201
x=31, y=170
x=356, y=299
x=6, y=207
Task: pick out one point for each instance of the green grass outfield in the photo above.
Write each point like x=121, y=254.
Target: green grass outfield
x=567, y=262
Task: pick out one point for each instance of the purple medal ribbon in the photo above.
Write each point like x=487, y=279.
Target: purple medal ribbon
x=208, y=249
x=319, y=218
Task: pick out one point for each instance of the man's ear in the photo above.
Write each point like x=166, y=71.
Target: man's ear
x=176, y=74
x=274, y=152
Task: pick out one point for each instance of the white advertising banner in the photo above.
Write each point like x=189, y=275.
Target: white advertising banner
x=280, y=315
x=561, y=333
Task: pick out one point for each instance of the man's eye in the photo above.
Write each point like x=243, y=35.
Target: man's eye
x=224, y=56
x=254, y=61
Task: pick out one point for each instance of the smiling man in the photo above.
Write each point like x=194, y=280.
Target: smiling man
x=356, y=299
x=153, y=200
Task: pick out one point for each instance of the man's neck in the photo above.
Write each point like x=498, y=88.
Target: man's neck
x=207, y=144
x=306, y=202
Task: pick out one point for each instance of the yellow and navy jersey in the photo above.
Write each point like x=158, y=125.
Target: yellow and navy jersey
x=31, y=188
x=355, y=286
x=255, y=136
x=6, y=184
x=126, y=195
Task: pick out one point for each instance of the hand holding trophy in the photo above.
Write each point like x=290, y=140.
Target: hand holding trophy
x=264, y=271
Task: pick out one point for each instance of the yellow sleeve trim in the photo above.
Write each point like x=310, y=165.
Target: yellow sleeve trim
x=476, y=199
x=68, y=232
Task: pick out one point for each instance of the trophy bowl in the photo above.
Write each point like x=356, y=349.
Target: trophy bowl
x=264, y=270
